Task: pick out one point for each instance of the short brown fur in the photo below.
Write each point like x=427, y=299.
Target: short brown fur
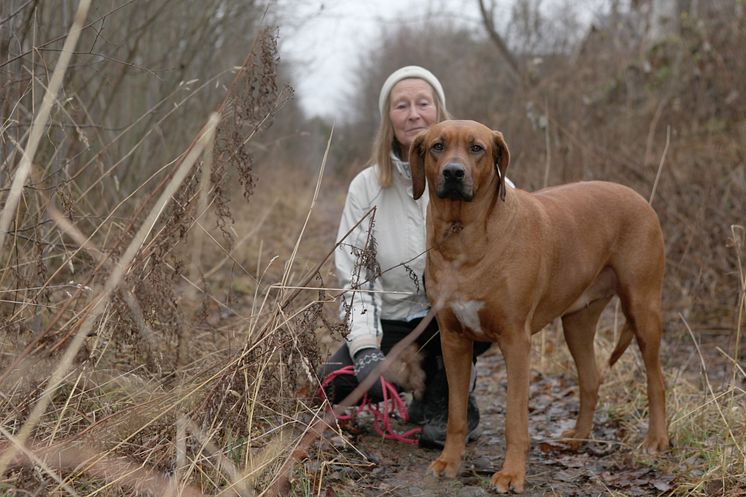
x=502, y=268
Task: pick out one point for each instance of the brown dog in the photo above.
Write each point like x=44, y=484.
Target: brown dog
x=503, y=263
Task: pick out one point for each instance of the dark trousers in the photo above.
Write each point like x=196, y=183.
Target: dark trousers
x=393, y=333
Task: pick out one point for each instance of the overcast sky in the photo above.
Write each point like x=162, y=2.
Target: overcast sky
x=324, y=39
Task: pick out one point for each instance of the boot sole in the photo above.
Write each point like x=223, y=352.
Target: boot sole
x=437, y=444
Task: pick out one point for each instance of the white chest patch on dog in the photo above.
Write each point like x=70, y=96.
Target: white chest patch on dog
x=467, y=314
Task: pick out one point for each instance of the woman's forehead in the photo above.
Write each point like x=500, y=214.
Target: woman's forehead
x=411, y=87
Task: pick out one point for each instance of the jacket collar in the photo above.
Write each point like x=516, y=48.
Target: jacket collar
x=401, y=167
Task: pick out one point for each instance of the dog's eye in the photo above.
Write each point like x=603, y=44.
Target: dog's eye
x=476, y=148
x=437, y=147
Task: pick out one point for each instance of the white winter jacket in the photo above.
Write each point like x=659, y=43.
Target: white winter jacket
x=398, y=229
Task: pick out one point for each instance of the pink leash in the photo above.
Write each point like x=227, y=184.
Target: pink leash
x=396, y=406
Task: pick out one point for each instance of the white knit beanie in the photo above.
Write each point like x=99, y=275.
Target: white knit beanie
x=406, y=73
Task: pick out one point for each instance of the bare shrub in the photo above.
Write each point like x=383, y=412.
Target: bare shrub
x=117, y=136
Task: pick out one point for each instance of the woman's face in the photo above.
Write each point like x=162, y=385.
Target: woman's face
x=411, y=110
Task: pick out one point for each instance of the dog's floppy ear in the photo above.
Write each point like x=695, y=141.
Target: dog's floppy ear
x=501, y=157
x=417, y=164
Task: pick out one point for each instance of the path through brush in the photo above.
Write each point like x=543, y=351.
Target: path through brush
x=364, y=465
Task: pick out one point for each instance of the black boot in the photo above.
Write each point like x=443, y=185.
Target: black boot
x=432, y=412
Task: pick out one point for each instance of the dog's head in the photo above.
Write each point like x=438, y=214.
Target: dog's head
x=459, y=159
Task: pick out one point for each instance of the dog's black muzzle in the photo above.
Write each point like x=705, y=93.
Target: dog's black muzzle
x=454, y=183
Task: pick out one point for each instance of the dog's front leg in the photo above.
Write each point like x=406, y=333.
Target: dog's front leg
x=516, y=347
x=457, y=357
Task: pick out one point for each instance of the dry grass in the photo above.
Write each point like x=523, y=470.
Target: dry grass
x=705, y=406
x=155, y=342
x=127, y=370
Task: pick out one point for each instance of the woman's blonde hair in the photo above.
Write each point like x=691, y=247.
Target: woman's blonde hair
x=385, y=140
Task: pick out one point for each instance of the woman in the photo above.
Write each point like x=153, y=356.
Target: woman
x=386, y=298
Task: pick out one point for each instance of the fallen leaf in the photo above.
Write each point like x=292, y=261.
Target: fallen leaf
x=568, y=475
x=662, y=486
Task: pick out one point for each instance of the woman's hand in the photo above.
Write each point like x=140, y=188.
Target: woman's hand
x=366, y=361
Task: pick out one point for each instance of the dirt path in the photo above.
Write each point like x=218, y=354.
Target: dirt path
x=377, y=467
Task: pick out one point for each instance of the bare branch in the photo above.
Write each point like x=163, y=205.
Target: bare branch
x=502, y=47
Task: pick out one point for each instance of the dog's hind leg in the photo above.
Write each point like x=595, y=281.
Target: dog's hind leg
x=646, y=323
x=579, y=329
x=639, y=264
x=641, y=307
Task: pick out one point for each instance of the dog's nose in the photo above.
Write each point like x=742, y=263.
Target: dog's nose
x=453, y=171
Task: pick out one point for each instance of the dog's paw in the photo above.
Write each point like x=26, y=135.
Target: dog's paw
x=655, y=443
x=572, y=439
x=505, y=480
x=443, y=467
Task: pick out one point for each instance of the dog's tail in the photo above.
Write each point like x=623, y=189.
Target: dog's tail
x=625, y=337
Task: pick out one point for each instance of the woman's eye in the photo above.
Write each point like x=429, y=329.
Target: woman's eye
x=476, y=148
